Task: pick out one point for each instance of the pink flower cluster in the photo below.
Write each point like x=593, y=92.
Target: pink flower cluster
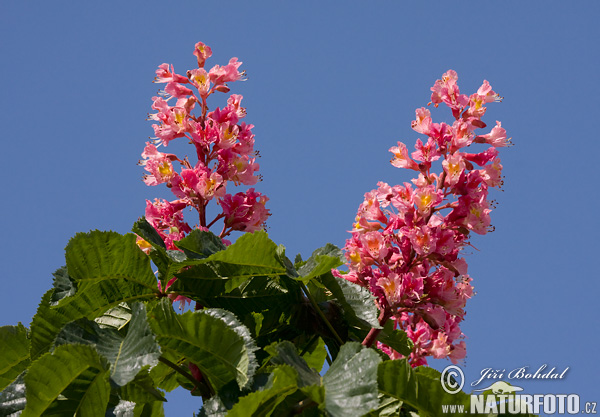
x=406, y=242
x=224, y=152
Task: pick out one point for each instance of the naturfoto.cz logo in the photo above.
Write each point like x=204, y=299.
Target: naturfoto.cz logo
x=502, y=397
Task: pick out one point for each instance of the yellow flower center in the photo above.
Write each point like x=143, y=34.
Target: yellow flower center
x=165, y=169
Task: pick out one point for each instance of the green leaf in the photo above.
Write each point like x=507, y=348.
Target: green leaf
x=246, y=277
x=154, y=409
x=252, y=255
x=147, y=232
x=315, y=354
x=77, y=374
x=108, y=269
x=282, y=383
x=167, y=261
x=285, y=353
x=358, y=302
x=417, y=388
x=138, y=349
x=215, y=341
x=116, y=317
x=63, y=285
x=45, y=325
x=388, y=407
x=12, y=398
x=15, y=353
x=398, y=340
x=48, y=321
x=127, y=354
x=164, y=376
x=322, y=261
x=351, y=381
x=200, y=244
x=141, y=389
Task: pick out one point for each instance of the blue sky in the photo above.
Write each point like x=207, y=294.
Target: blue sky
x=331, y=87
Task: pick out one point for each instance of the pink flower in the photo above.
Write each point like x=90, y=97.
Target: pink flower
x=454, y=165
x=166, y=75
x=196, y=183
x=486, y=93
x=177, y=90
x=481, y=158
x=422, y=123
x=221, y=75
x=426, y=152
x=239, y=169
x=158, y=164
x=497, y=137
x=446, y=91
x=202, y=52
x=478, y=216
x=173, y=121
x=401, y=158
x=235, y=101
x=492, y=173
x=406, y=241
x=199, y=78
x=370, y=209
x=422, y=239
x=426, y=198
x=245, y=211
x=167, y=219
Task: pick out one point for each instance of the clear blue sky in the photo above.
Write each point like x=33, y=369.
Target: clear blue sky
x=331, y=86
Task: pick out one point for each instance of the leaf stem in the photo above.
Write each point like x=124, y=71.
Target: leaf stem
x=320, y=313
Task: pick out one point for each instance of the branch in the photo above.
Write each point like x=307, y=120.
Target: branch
x=373, y=333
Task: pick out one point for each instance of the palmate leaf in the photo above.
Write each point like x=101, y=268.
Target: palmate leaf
x=63, y=286
x=252, y=255
x=322, y=261
x=107, y=269
x=351, y=381
x=200, y=244
x=282, y=383
x=141, y=389
x=116, y=317
x=14, y=359
x=45, y=325
x=315, y=354
x=127, y=354
x=215, y=341
x=71, y=380
x=48, y=321
x=286, y=353
x=358, y=303
x=248, y=276
x=197, y=245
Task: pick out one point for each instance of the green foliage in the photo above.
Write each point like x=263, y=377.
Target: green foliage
x=107, y=341
x=15, y=353
x=213, y=340
x=351, y=383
